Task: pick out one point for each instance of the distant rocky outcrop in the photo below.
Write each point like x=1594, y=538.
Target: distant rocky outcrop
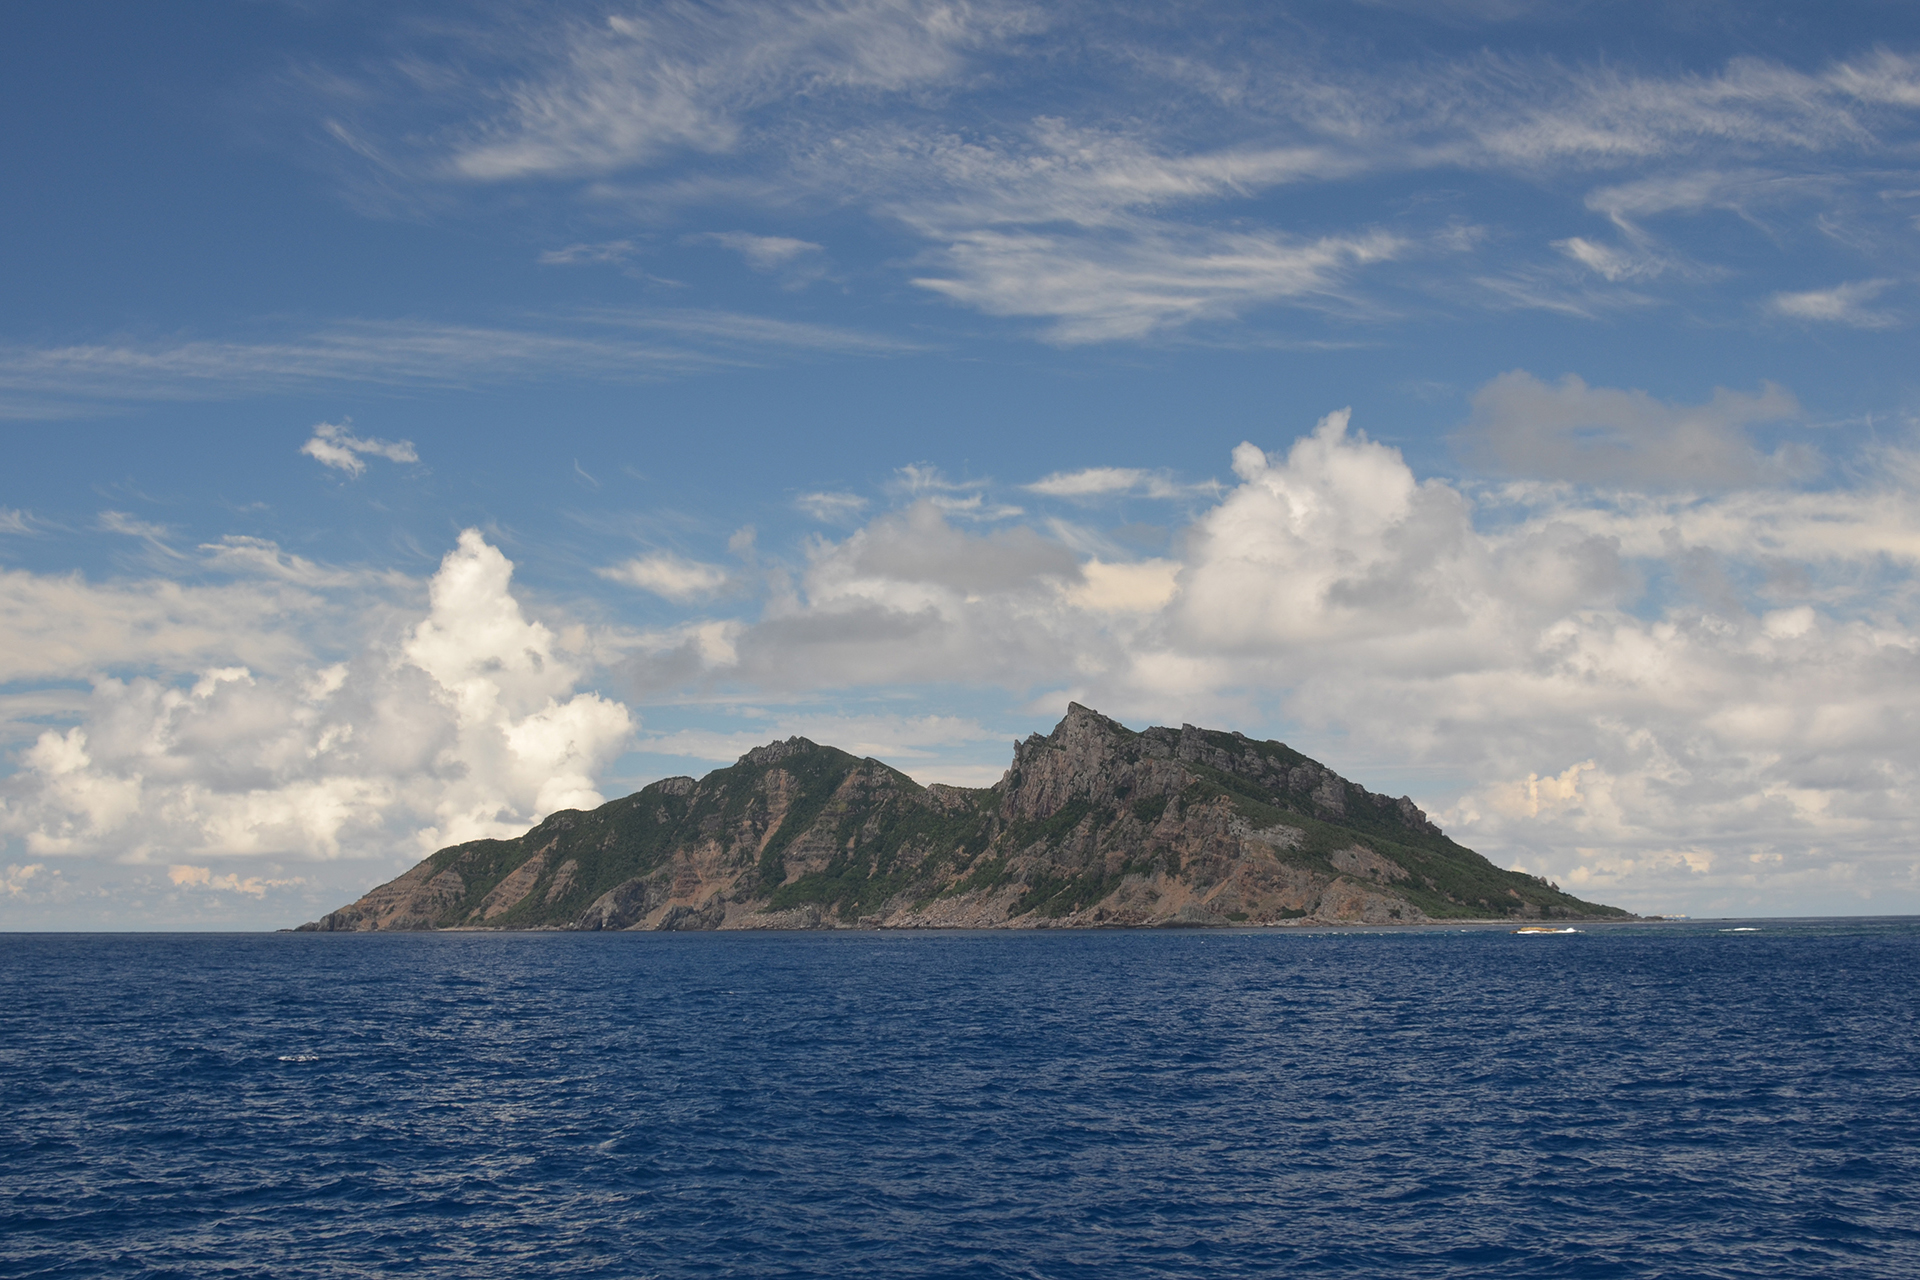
x=1093, y=825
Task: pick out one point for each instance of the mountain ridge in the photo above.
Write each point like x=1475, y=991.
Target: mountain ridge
x=1093, y=825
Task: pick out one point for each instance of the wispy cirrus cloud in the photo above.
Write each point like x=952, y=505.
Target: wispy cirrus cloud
x=831, y=508
x=607, y=344
x=603, y=251
x=1103, y=482
x=967, y=498
x=992, y=137
x=158, y=536
x=1842, y=304
x=763, y=253
x=1134, y=285
x=633, y=87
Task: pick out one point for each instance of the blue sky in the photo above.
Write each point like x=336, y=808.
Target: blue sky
x=420, y=417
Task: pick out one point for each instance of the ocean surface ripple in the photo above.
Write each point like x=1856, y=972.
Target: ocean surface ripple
x=1668, y=1100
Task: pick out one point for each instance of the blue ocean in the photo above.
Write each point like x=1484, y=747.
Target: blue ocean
x=1681, y=1100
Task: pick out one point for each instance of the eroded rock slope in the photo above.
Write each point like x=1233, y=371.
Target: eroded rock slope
x=1093, y=824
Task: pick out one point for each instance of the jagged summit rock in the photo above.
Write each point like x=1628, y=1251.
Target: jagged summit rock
x=1093, y=824
x=775, y=752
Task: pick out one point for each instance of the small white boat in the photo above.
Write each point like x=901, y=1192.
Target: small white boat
x=1543, y=928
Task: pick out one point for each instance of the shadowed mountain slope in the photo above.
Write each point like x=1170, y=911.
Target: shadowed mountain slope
x=1093, y=824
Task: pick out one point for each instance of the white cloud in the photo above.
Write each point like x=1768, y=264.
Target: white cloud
x=61, y=627
x=1596, y=435
x=191, y=877
x=671, y=576
x=676, y=77
x=763, y=253
x=1604, y=115
x=132, y=526
x=1375, y=604
x=1742, y=191
x=1636, y=694
x=1100, y=482
x=1612, y=263
x=18, y=878
x=600, y=344
x=1147, y=278
x=237, y=553
x=993, y=135
x=603, y=251
x=1143, y=587
x=333, y=445
x=728, y=331
x=1884, y=77
x=1090, y=482
x=831, y=508
x=798, y=263
x=964, y=498
x=527, y=752
x=1842, y=304
x=909, y=597
x=465, y=724
x=1087, y=228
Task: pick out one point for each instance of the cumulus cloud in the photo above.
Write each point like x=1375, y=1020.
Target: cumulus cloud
x=1659, y=696
x=673, y=577
x=334, y=445
x=19, y=878
x=1661, y=700
x=1596, y=435
x=62, y=627
x=1140, y=587
x=465, y=724
x=191, y=877
x=911, y=596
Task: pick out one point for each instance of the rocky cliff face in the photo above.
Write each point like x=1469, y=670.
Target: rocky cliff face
x=1093, y=824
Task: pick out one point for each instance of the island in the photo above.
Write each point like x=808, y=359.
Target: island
x=1093, y=825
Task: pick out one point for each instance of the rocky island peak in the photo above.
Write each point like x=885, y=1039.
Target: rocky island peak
x=1093, y=824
